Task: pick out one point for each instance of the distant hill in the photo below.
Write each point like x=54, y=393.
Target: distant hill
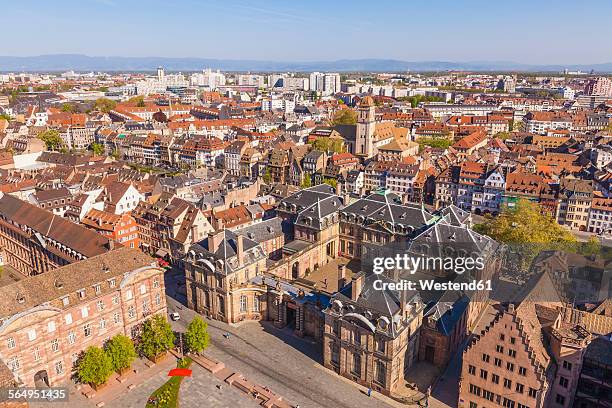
x=78, y=62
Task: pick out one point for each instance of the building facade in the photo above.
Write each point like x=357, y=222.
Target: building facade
x=48, y=320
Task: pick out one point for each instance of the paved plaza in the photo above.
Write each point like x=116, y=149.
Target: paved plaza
x=202, y=390
x=286, y=364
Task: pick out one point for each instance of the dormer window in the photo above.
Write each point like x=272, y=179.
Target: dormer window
x=82, y=293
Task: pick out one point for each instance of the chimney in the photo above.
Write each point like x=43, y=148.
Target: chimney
x=194, y=233
x=403, y=304
x=511, y=308
x=357, y=285
x=240, y=249
x=110, y=244
x=341, y=276
x=214, y=240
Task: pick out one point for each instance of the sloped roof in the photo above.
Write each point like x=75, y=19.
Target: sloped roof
x=81, y=239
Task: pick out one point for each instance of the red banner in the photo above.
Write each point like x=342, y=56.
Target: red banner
x=179, y=372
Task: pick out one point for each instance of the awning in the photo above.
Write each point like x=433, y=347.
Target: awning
x=161, y=253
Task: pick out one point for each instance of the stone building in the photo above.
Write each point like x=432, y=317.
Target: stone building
x=378, y=221
x=218, y=273
x=371, y=336
x=594, y=386
x=528, y=356
x=47, y=320
x=34, y=240
x=228, y=284
x=310, y=223
x=169, y=225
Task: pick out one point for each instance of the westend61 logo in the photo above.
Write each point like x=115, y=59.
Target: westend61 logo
x=405, y=263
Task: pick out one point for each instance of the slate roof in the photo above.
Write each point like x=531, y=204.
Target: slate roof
x=386, y=207
x=378, y=303
x=263, y=231
x=227, y=251
x=312, y=205
x=454, y=215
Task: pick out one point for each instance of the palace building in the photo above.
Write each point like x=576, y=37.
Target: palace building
x=47, y=320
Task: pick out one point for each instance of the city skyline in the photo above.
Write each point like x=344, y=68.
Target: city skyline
x=318, y=204
x=219, y=30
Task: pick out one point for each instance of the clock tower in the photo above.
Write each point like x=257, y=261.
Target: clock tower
x=366, y=124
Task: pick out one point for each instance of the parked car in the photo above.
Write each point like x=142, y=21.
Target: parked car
x=175, y=316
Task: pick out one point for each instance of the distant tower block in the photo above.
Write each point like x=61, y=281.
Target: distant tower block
x=160, y=74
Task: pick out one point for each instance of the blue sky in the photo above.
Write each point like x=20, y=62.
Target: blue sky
x=536, y=31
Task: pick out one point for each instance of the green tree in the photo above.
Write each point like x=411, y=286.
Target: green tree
x=68, y=107
x=97, y=149
x=104, y=105
x=197, y=338
x=137, y=100
x=156, y=338
x=527, y=228
x=440, y=143
x=345, y=117
x=267, y=177
x=416, y=99
x=326, y=144
x=307, y=182
x=51, y=138
x=591, y=247
x=331, y=181
x=503, y=135
x=116, y=154
x=518, y=126
x=5, y=116
x=120, y=349
x=525, y=223
x=94, y=367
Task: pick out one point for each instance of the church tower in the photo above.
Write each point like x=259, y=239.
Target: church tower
x=366, y=124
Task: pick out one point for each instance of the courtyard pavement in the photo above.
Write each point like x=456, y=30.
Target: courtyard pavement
x=277, y=359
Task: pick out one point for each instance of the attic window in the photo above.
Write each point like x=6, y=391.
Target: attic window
x=81, y=294
x=20, y=298
x=58, y=284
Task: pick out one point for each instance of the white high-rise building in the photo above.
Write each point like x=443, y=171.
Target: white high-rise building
x=568, y=93
x=160, y=83
x=251, y=80
x=325, y=83
x=208, y=78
